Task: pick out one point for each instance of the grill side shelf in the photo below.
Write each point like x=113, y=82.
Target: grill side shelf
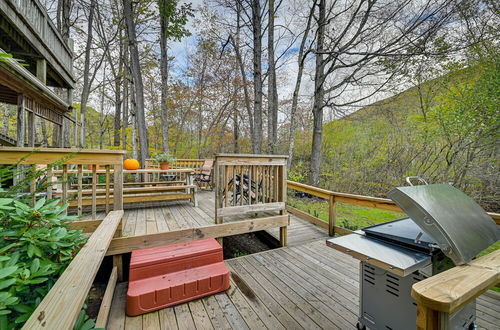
x=396, y=260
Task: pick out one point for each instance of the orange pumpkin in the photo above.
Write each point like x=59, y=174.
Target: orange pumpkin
x=131, y=164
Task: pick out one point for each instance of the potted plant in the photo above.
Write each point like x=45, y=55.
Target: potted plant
x=164, y=159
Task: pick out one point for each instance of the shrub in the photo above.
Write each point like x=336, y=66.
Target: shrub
x=35, y=249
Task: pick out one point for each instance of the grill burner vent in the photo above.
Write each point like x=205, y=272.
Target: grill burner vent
x=369, y=274
x=392, y=284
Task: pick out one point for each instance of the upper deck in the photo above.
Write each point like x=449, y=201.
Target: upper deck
x=27, y=32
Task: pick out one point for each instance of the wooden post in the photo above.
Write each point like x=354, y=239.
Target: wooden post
x=118, y=187
x=21, y=124
x=31, y=129
x=80, y=187
x=49, y=182
x=332, y=215
x=282, y=196
x=94, y=192
x=41, y=70
x=60, y=138
x=118, y=263
x=107, y=188
x=75, y=136
x=427, y=319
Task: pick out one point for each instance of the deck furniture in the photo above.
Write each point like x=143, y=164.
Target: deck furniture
x=137, y=194
x=204, y=177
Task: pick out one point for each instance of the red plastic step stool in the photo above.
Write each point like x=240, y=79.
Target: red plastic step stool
x=172, y=274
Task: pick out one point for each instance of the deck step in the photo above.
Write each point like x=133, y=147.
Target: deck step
x=171, y=258
x=172, y=274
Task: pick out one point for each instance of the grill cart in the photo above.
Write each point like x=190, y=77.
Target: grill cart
x=444, y=228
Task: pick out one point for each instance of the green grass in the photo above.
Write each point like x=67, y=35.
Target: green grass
x=349, y=216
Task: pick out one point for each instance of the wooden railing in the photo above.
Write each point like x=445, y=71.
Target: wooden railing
x=195, y=164
x=333, y=197
x=441, y=295
x=65, y=165
x=251, y=184
x=59, y=309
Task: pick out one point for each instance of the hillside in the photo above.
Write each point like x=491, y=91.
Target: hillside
x=443, y=130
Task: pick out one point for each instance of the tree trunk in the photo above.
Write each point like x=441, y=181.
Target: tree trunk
x=164, y=76
x=200, y=97
x=319, y=93
x=236, y=129
x=126, y=96
x=257, y=76
x=86, y=75
x=138, y=84
x=272, y=90
x=296, y=91
x=63, y=17
x=118, y=97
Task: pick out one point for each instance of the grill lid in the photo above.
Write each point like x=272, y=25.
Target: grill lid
x=459, y=225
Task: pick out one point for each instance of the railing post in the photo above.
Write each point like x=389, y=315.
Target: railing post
x=427, y=319
x=332, y=215
x=282, y=196
x=118, y=187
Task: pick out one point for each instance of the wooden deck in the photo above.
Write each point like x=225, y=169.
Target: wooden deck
x=182, y=215
x=308, y=286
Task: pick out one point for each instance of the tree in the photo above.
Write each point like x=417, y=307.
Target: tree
x=87, y=78
x=140, y=117
x=257, y=76
x=63, y=17
x=272, y=88
x=172, y=22
x=348, y=53
x=295, y=97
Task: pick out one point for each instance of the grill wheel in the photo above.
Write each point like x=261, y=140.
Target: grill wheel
x=360, y=327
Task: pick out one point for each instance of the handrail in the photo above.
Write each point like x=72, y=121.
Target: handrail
x=59, y=309
x=62, y=160
x=332, y=197
x=448, y=291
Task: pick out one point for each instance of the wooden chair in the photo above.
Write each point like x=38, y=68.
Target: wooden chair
x=205, y=175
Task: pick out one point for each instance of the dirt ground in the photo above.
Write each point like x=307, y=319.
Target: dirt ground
x=241, y=245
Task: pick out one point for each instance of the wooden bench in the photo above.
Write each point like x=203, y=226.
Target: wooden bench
x=140, y=195
x=61, y=306
x=127, y=184
x=138, y=190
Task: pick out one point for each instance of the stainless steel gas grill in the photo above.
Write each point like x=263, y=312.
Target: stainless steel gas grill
x=445, y=228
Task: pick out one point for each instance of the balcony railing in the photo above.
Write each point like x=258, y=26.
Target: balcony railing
x=31, y=18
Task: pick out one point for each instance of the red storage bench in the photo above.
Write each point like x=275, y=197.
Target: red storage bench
x=168, y=275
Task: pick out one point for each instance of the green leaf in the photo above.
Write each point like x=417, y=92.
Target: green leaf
x=4, y=272
x=39, y=203
x=23, y=308
x=5, y=201
x=6, y=283
x=35, y=265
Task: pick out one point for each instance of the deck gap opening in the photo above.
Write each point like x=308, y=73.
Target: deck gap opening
x=248, y=243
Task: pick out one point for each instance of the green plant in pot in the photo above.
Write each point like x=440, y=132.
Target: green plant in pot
x=164, y=159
